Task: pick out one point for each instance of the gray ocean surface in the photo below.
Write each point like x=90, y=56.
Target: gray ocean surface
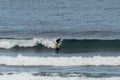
x=60, y=18
x=90, y=30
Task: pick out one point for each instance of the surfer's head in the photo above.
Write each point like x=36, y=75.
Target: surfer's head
x=58, y=40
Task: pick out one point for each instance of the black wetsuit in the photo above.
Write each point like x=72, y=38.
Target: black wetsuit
x=58, y=41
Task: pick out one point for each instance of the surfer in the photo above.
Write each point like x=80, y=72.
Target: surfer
x=58, y=43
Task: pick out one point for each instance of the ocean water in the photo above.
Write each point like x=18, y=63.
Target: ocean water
x=89, y=32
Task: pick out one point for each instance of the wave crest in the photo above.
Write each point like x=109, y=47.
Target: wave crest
x=10, y=43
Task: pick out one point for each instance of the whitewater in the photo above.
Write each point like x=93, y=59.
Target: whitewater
x=10, y=43
x=28, y=76
x=60, y=61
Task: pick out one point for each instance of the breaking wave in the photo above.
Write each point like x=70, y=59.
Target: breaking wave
x=59, y=61
x=67, y=46
x=10, y=43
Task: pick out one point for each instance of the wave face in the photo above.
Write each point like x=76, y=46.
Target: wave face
x=28, y=76
x=90, y=45
x=59, y=61
x=67, y=46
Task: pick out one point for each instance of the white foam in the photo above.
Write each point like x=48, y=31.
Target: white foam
x=9, y=43
x=59, y=61
x=28, y=76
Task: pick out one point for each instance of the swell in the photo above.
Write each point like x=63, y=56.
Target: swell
x=67, y=46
